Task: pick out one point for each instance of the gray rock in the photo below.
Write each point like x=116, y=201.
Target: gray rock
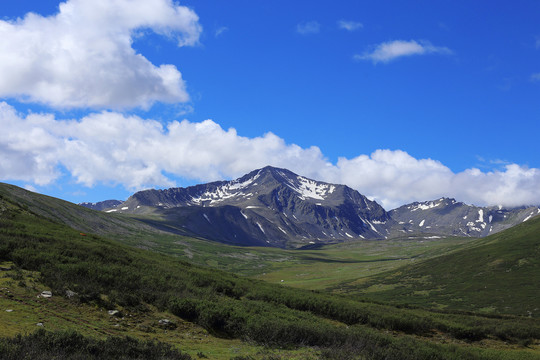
x=46, y=294
x=70, y=294
x=167, y=324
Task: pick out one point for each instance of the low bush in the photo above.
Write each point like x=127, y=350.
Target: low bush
x=71, y=345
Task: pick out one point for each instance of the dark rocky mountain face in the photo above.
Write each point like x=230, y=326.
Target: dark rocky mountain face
x=102, y=205
x=275, y=207
x=449, y=217
x=268, y=207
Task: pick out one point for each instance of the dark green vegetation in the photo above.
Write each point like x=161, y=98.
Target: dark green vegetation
x=71, y=345
x=77, y=217
x=108, y=275
x=497, y=274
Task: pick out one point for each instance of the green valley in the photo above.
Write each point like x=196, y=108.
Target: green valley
x=105, y=287
x=497, y=274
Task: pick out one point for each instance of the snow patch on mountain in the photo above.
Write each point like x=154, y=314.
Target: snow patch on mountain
x=427, y=206
x=480, y=216
x=308, y=188
x=236, y=184
x=531, y=215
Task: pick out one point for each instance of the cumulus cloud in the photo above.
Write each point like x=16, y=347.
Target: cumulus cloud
x=310, y=27
x=350, y=25
x=83, y=56
x=113, y=148
x=109, y=147
x=535, y=77
x=392, y=50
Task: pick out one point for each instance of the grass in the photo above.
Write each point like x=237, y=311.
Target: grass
x=309, y=269
x=21, y=310
x=497, y=274
x=217, y=313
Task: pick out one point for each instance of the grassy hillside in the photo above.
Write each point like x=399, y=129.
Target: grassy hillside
x=309, y=269
x=75, y=216
x=21, y=310
x=145, y=286
x=496, y=274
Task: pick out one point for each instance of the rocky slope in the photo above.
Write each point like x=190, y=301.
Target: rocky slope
x=269, y=207
x=102, y=205
x=448, y=217
x=275, y=207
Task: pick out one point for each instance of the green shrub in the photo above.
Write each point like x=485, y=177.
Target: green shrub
x=71, y=345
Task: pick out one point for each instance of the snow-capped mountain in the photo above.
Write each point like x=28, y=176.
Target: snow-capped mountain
x=269, y=206
x=448, y=217
x=275, y=207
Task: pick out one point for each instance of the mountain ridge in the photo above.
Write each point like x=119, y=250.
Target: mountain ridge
x=276, y=207
x=448, y=216
x=267, y=207
x=101, y=205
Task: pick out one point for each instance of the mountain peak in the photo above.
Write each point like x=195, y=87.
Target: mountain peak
x=430, y=204
x=305, y=188
x=268, y=206
x=269, y=171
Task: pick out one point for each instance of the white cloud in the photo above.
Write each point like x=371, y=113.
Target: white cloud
x=395, y=177
x=220, y=31
x=350, y=25
x=392, y=50
x=112, y=148
x=30, y=188
x=83, y=56
x=310, y=27
x=535, y=77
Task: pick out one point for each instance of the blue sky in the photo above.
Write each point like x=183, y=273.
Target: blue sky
x=403, y=101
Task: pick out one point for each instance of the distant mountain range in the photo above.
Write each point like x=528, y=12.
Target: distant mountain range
x=102, y=205
x=449, y=217
x=275, y=207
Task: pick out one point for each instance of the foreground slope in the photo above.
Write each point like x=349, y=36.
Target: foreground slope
x=74, y=216
x=499, y=274
x=107, y=275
